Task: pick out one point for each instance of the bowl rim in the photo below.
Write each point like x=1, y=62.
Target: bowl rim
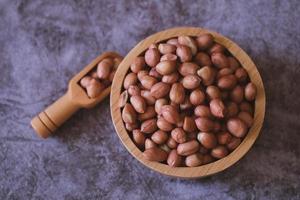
x=203, y=170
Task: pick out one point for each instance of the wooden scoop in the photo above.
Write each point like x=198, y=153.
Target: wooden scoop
x=75, y=98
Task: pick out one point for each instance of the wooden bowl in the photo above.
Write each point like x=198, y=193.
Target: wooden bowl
x=204, y=170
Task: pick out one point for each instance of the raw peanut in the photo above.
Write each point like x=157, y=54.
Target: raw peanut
x=158, y=105
x=165, y=148
x=204, y=124
x=172, y=143
x=112, y=75
x=153, y=72
x=245, y=106
x=174, y=160
x=247, y=118
x=85, y=81
x=237, y=94
x=203, y=150
x=130, y=79
x=138, y=103
x=216, y=48
x=147, y=96
x=186, y=103
x=213, y=92
x=207, y=74
x=138, y=137
x=164, y=125
x=94, y=88
x=204, y=41
x=165, y=48
x=173, y=41
x=191, y=81
x=169, y=57
x=197, y=97
x=171, y=78
x=202, y=59
x=217, y=108
x=94, y=75
x=148, y=81
x=104, y=68
x=233, y=63
x=152, y=57
x=188, y=148
x=179, y=124
x=123, y=99
x=177, y=93
x=250, y=92
x=219, y=152
x=233, y=143
x=155, y=154
x=166, y=67
x=188, y=68
x=207, y=159
x=149, y=144
x=217, y=127
x=208, y=140
x=141, y=74
x=232, y=109
x=237, y=127
x=203, y=111
x=194, y=101
x=159, y=137
x=129, y=114
x=227, y=82
x=148, y=114
x=138, y=64
x=188, y=41
x=131, y=127
x=175, y=105
x=170, y=114
x=141, y=86
x=194, y=160
x=241, y=75
x=189, y=124
x=149, y=126
x=179, y=135
x=134, y=90
x=184, y=53
x=224, y=137
x=219, y=60
x=160, y=90
x=224, y=72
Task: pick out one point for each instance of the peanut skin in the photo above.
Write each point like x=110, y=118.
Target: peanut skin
x=185, y=102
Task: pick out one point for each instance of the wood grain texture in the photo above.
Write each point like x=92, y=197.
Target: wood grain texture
x=205, y=170
x=46, y=122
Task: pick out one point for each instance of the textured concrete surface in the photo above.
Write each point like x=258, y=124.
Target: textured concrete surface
x=44, y=43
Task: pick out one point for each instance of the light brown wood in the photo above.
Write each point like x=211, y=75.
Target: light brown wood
x=76, y=97
x=205, y=170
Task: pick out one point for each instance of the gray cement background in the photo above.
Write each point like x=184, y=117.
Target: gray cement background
x=44, y=43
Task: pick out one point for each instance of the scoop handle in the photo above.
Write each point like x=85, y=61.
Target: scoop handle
x=46, y=122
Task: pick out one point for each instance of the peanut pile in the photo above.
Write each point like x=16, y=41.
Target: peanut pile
x=100, y=77
x=187, y=101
